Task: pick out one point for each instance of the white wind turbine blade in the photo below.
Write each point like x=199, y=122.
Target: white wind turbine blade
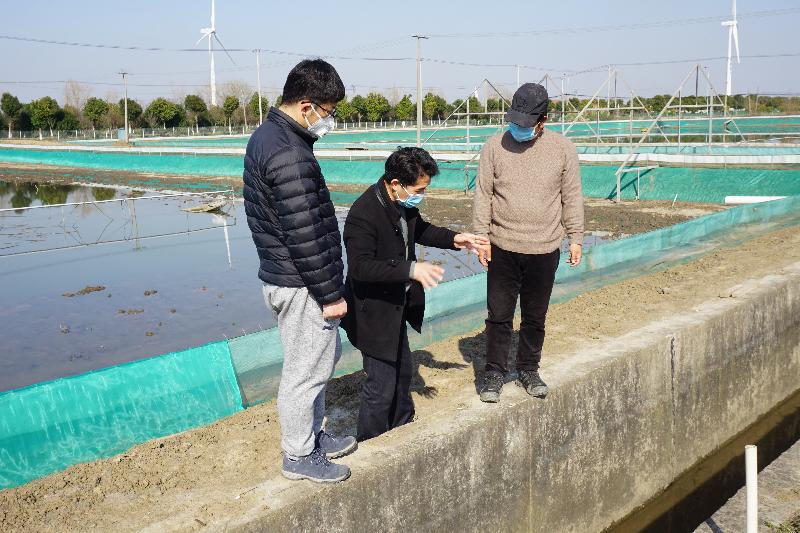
x=206, y=32
x=735, y=30
x=223, y=47
x=732, y=12
x=214, y=16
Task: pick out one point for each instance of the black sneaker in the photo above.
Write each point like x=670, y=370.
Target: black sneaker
x=492, y=385
x=532, y=383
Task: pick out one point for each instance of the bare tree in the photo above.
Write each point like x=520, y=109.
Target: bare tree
x=394, y=95
x=76, y=94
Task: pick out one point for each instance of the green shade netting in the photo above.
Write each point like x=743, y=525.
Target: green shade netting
x=49, y=426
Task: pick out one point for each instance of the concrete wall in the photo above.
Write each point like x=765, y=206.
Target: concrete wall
x=619, y=425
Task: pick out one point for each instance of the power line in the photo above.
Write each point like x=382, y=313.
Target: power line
x=162, y=49
x=621, y=27
x=570, y=71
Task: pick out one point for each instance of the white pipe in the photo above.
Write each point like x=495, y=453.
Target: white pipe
x=751, y=470
x=736, y=200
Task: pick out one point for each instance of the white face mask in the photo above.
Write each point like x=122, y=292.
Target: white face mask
x=321, y=126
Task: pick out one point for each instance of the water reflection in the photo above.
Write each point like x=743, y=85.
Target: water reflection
x=19, y=195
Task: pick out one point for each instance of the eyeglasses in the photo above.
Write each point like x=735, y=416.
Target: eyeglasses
x=331, y=112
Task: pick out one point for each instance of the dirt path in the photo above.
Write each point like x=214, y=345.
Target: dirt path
x=206, y=474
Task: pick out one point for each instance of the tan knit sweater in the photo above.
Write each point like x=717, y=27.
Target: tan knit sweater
x=527, y=194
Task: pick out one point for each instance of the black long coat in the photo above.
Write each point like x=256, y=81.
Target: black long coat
x=378, y=272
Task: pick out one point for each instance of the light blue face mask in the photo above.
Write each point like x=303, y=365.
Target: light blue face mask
x=521, y=134
x=412, y=201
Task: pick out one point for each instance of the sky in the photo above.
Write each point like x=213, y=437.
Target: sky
x=492, y=36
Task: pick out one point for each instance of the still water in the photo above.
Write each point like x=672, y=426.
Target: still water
x=84, y=287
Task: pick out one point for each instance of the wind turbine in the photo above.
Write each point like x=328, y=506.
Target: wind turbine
x=733, y=39
x=211, y=35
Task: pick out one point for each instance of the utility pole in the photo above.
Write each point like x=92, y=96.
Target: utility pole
x=258, y=77
x=419, y=87
x=125, y=83
x=563, y=105
x=517, y=76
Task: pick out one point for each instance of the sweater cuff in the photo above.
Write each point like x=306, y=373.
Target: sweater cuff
x=576, y=238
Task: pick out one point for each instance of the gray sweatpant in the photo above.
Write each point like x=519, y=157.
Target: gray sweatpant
x=311, y=349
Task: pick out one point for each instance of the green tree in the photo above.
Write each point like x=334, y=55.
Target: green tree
x=217, y=116
x=433, y=106
x=229, y=107
x=405, y=108
x=162, y=111
x=44, y=113
x=360, y=105
x=475, y=107
x=24, y=122
x=195, y=107
x=95, y=110
x=134, y=111
x=377, y=107
x=345, y=111
x=11, y=108
x=252, y=105
x=737, y=102
x=657, y=102
x=68, y=119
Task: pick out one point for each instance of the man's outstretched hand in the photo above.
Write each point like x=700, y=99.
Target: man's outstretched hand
x=473, y=243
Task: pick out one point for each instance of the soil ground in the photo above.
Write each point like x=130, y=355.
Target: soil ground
x=198, y=478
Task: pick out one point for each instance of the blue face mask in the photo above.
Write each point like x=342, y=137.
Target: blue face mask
x=412, y=201
x=521, y=134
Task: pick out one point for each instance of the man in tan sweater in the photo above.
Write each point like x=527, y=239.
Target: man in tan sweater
x=528, y=195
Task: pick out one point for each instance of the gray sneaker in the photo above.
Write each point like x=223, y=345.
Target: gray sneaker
x=492, y=385
x=334, y=447
x=314, y=466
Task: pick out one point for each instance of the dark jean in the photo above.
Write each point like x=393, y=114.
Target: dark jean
x=530, y=278
x=386, y=393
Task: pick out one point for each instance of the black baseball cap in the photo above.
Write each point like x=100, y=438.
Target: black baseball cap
x=530, y=102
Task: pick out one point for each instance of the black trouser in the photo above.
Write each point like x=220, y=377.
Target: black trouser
x=386, y=393
x=530, y=278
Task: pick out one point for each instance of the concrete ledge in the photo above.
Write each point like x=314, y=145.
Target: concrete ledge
x=620, y=424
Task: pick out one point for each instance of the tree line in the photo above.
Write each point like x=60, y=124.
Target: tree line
x=45, y=114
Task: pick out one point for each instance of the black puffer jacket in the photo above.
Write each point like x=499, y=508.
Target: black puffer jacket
x=289, y=210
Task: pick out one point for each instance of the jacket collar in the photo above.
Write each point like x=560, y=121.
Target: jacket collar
x=389, y=205
x=279, y=117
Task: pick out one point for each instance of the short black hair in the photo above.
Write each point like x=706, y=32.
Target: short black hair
x=406, y=165
x=315, y=80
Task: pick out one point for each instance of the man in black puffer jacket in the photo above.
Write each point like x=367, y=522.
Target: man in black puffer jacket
x=294, y=226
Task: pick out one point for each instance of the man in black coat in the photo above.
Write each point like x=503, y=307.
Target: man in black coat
x=294, y=227
x=385, y=283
